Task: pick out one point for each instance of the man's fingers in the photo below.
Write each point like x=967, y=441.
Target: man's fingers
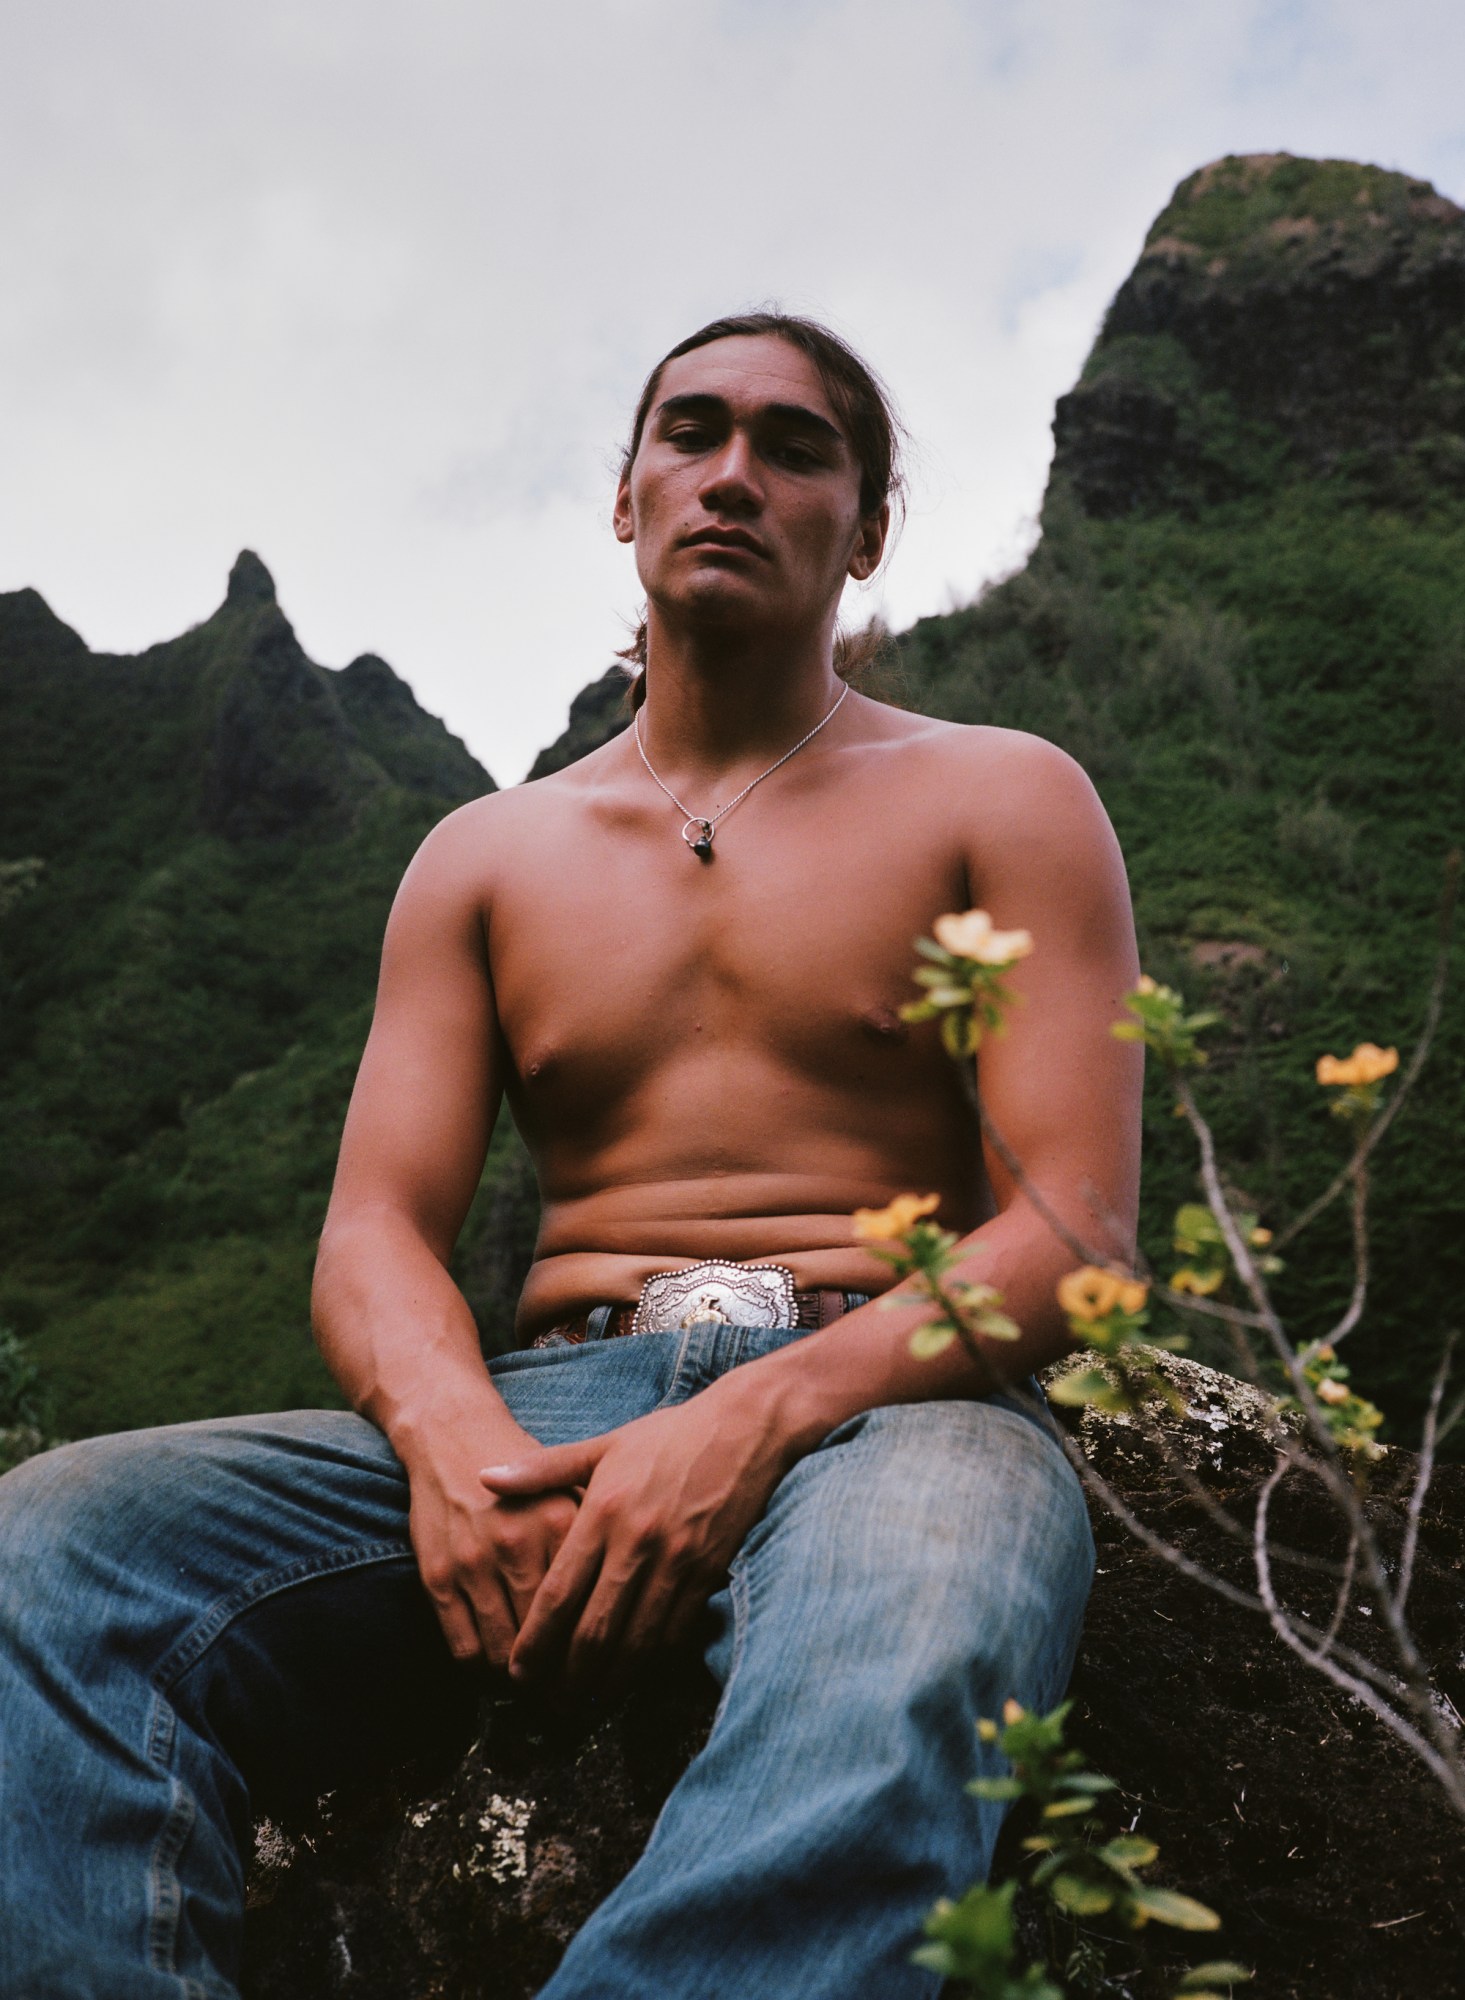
x=459, y=1626
x=495, y=1621
x=598, y=1653
x=554, y=1467
x=568, y=1582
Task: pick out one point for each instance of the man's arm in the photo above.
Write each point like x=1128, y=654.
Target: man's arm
x=669, y=1497
x=393, y=1327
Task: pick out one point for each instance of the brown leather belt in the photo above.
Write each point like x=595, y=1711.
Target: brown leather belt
x=714, y=1291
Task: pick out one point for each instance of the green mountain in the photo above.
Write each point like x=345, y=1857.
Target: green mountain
x=1246, y=617
x=185, y=990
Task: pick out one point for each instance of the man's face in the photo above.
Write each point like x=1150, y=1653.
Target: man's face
x=744, y=498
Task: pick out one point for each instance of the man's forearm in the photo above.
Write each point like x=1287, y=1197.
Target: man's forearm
x=864, y=1360
x=397, y=1333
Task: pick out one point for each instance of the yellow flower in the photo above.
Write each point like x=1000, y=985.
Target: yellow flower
x=1090, y=1293
x=1329, y=1391
x=1324, y=1354
x=1367, y=1064
x=1199, y=1283
x=1261, y=1238
x=971, y=935
x=1012, y=1711
x=1144, y=984
x=888, y=1225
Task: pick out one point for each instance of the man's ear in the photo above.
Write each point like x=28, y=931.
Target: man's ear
x=622, y=519
x=871, y=543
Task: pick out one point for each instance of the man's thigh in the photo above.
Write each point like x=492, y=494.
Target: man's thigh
x=922, y=1543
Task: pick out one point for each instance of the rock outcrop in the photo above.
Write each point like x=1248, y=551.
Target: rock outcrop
x=1274, y=1798
x=1286, y=317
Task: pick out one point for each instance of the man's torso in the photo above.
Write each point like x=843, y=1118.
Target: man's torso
x=707, y=1058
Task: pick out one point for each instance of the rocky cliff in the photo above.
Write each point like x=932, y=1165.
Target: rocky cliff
x=1287, y=318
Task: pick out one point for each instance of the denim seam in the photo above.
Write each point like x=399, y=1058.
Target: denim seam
x=737, y=1590
x=165, y=1896
x=676, y=1369
x=197, y=1640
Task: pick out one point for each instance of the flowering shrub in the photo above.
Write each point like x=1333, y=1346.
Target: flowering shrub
x=1084, y=1871
x=1227, y=1256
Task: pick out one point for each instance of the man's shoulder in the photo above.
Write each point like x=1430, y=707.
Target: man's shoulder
x=1010, y=762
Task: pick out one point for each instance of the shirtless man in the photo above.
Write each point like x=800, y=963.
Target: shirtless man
x=704, y=1052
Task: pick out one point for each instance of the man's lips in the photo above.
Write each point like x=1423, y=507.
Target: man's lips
x=724, y=538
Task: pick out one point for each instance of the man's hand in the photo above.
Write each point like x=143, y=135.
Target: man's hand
x=482, y=1558
x=667, y=1501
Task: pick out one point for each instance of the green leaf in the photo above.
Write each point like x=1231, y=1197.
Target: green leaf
x=1000, y=1790
x=1080, y=1898
x=1182, y=1913
x=1084, y=1387
x=974, y=1937
x=997, y=1326
x=930, y=1340
x=1215, y=1972
x=1066, y=1808
x=1130, y=1850
x=956, y=1034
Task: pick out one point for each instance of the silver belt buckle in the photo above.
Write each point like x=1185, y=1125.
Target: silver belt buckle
x=735, y=1294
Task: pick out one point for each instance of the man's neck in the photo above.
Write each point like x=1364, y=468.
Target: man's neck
x=717, y=707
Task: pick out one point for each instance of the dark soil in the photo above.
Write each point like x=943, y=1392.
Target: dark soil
x=1274, y=1797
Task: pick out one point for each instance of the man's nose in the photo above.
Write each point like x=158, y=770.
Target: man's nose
x=730, y=477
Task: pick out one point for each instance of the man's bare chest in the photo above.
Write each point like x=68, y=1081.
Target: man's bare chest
x=614, y=949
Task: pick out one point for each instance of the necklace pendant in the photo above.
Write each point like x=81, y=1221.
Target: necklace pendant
x=699, y=841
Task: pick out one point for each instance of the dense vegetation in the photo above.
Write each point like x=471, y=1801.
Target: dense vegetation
x=185, y=990
x=1246, y=617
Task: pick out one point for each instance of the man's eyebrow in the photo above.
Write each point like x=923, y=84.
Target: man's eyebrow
x=693, y=404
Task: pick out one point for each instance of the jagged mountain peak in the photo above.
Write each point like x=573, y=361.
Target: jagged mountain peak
x=249, y=581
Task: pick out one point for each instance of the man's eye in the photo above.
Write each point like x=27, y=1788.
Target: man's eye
x=802, y=457
x=688, y=436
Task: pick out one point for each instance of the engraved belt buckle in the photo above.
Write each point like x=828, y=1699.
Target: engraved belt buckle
x=735, y=1294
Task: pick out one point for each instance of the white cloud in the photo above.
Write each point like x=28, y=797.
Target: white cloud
x=371, y=288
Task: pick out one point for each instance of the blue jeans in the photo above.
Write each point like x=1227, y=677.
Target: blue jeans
x=180, y=1606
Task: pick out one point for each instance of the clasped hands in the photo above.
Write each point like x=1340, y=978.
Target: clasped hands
x=594, y=1555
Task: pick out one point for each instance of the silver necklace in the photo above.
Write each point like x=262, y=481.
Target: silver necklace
x=698, y=830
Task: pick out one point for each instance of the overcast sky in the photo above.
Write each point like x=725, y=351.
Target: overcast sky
x=370, y=287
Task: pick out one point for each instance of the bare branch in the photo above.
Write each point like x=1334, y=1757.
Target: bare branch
x=1354, y=1313
x=1345, y=1591
x=1428, y=1445
x=1444, y=1767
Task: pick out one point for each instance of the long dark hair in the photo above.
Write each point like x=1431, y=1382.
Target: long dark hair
x=865, y=408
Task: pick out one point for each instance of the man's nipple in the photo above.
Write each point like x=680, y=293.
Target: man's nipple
x=883, y=1024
